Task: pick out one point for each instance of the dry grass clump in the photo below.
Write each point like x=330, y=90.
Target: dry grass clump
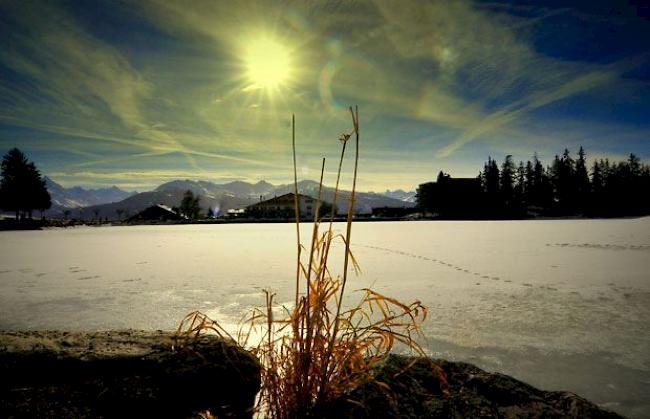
x=319, y=349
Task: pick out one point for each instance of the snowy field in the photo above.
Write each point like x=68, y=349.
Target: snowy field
x=561, y=304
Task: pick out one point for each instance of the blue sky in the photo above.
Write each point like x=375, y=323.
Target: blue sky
x=133, y=94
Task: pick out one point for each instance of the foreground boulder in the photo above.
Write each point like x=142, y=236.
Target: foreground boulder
x=415, y=392
x=123, y=374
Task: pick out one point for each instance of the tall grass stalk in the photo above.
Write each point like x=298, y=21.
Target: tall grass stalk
x=320, y=349
x=296, y=204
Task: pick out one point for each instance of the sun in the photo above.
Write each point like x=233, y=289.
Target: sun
x=268, y=64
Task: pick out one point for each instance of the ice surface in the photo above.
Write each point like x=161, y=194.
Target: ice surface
x=561, y=304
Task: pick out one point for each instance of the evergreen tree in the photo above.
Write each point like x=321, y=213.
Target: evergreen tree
x=22, y=189
x=555, y=177
x=425, y=197
x=608, y=184
x=507, y=180
x=582, y=186
x=490, y=183
x=632, y=185
x=520, y=184
x=491, y=179
x=606, y=169
x=562, y=174
x=635, y=165
x=529, y=185
x=540, y=190
x=597, y=186
x=190, y=205
x=567, y=180
x=325, y=211
x=644, y=198
x=597, y=177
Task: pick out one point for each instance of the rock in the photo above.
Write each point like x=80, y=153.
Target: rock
x=415, y=392
x=138, y=374
x=123, y=374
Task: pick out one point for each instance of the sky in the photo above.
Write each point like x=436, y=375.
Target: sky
x=134, y=94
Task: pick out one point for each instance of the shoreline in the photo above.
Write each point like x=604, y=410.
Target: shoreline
x=27, y=225
x=115, y=372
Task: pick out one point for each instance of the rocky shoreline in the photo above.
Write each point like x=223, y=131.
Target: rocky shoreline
x=151, y=374
x=415, y=392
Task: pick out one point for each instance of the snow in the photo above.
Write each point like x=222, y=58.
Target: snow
x=561, y=304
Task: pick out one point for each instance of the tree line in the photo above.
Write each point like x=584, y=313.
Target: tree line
x=22, y=189
x=565, y=187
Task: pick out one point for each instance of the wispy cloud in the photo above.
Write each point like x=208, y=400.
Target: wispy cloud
x=440, y=85
x=70, y=69
x=81, y=86
x=491, y=123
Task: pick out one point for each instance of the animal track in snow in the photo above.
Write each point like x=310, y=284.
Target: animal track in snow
x=605, y=246
x=431, y=259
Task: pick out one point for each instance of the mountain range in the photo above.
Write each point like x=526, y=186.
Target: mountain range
x=219, y=197
x=76, y=197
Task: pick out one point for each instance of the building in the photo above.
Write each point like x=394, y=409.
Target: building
x=282, y=207
x=236, y=213
x=451, y=197
x=157, y=213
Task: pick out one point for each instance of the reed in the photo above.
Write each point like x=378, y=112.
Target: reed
x=321, y=349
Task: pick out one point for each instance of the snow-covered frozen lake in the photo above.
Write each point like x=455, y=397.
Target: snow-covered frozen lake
x=561, y=304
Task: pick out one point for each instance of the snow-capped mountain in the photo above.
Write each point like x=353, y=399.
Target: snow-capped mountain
x=79, y=197
x=401, y=195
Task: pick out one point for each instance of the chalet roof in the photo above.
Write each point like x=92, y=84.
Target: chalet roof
x=287, y=197
x=165, y=207
x=156, y=212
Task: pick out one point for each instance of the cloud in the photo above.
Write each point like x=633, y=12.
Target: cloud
x=144, y=174
x=509, y=114
x=148, y=179
x=71, y=69
x=484, y=76
x=439, y=85
x=77, y=84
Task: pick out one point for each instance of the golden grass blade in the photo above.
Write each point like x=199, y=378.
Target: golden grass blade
x=296, y=207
